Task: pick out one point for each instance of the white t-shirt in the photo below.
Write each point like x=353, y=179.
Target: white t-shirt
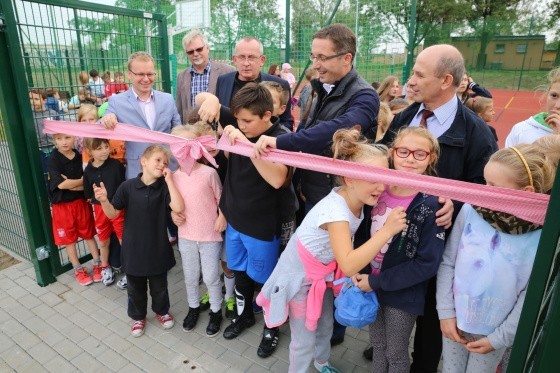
x=316, y=240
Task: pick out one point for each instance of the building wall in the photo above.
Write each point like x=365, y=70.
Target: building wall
x=504, y=53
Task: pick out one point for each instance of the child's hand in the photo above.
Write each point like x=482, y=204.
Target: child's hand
x=450, y=331
x=178, y=218
x=100, y=192
x=396, y=221
x=233, y=134
x=553, y=120
x=220, y=224
x=482, y=346
x=361, y=281
x=168, y=175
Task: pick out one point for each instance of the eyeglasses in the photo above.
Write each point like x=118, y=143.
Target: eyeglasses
x=419, y=155
x=250, y=59
x=197, y=50
x=143, y=75
x=322, y=58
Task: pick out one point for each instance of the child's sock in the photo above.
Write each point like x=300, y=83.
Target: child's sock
x=229, y=283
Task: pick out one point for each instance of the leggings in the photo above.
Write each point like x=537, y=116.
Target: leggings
x=389, y=335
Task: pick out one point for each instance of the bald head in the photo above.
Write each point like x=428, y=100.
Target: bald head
x=448, y=61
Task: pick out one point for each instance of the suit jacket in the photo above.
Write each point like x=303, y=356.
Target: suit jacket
x=184, y=87
x=224, y=91
x=126, y=108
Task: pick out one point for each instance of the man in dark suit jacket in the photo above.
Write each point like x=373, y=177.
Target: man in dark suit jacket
x=465, y=142
x=249, y=59
x=202, y=76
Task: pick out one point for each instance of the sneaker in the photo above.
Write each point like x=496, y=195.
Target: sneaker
x=81, y=274
x=231, y=311
x=256, y=308
x=190, y=321
x=269, y=342
x=368, y=353
x=238, y=325
x=96, y=270
x=107, y=276
x=138, y=328
x=122, y=284
x=205, y=302
x=166, y=320
x=214, y=324
x=325, y=367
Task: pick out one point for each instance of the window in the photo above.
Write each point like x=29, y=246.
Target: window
x=500, y=49
x=521, y=48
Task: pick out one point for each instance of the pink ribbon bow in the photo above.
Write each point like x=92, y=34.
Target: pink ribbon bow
x=185, y=151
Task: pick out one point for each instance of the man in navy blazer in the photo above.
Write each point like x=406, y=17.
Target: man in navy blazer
x=141, y=106
x=249, y=59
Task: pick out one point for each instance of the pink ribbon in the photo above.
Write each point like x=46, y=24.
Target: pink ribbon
x=185, y=151
x=525, y=205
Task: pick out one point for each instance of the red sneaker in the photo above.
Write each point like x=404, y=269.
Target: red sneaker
x=81, y=274
x=166, y=320
x=138, y=328
x=96, y=270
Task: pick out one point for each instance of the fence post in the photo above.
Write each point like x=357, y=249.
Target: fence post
x=23, y=145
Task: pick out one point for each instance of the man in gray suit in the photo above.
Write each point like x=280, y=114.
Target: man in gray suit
x=141, y=106
x=201, y=76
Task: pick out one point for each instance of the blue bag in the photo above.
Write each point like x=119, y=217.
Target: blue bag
x=355, y=307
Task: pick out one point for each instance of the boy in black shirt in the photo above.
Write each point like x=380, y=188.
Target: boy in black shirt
x=251, y=203
x=102, y=168
x=146, y=253
x=71, y=214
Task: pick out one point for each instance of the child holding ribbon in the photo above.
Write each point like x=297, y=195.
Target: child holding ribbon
x=200, y=239
x=400, y=272
x=488, y=259
x=298, y=286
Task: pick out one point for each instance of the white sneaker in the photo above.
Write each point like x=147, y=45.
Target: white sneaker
x=107, y=277
x=122, y=283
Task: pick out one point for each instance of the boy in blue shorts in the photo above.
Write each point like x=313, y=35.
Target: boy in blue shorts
x=251, y=201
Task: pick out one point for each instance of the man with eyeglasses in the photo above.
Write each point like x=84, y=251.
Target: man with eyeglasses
x=343, y=100
x=466, y=143
x=202, y=76
x=249, y=58
x=141, y=106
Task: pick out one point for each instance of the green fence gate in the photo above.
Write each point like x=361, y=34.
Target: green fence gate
x=45, y=44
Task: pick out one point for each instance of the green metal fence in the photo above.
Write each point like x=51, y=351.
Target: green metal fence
x=49, y=43
x=13, y=233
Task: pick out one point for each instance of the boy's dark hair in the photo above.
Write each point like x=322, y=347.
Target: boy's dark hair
x=93, y=143
x=310, y=73
x=375, y=85
x=343, y=39
x=275, y=86
x=39, y=92
x=93, y=73
x=51, y=91
x=253, y=97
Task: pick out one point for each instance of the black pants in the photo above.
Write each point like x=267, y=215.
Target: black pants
x=245, y=288
x=427, y=338
x=137, y=290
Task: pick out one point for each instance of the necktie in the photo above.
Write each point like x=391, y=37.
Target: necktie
x=425, y=115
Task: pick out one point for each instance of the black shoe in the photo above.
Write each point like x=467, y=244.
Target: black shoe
x=190, y=321
x=337, y=339
x=269, y=342
x=368, y=353
x=214, y=324
x=238, y=325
